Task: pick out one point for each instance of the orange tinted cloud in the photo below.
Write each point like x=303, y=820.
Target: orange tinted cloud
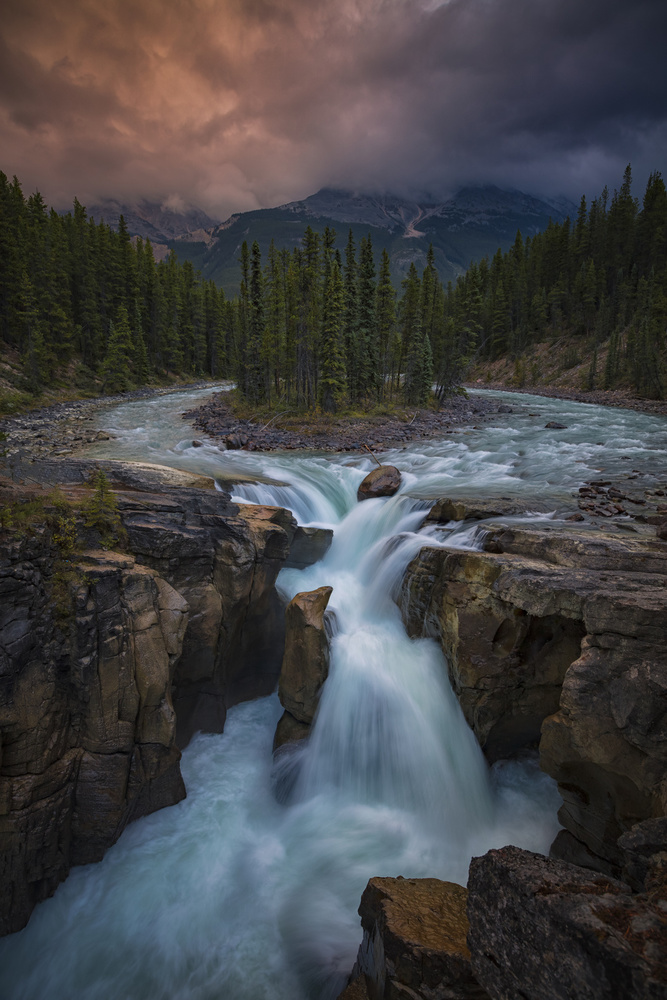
x=236, y=104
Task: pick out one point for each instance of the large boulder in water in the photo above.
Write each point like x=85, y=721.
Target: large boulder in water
x=381, y=482
x=306, y=661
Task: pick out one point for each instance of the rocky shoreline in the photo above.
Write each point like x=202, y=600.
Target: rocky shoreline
x=620, y=398
x=63, y=429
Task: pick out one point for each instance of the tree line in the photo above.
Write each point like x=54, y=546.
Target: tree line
x=73, y=289
x=317, y=327
x=601, y=279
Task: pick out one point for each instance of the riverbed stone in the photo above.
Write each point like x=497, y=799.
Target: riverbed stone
x=305, y=664
x=381, y=482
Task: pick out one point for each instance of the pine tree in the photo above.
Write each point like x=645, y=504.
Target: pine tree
x=118, y=361
x=332, y=382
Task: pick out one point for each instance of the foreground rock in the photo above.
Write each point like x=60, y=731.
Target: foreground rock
x=381, y=482
x=109, y=661
x=414, y=942
x=305, y=664
x=557, y=638
x=546, y=930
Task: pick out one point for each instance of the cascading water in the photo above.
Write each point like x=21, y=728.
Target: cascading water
x=240, y=892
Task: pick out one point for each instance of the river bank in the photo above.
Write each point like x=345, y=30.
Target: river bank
x=63, y=429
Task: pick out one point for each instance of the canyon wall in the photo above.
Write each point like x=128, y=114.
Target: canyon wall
x=556, y=639
x=111, y=659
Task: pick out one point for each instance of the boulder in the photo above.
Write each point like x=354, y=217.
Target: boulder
x=305, y=664
x=546, y=930
x=557, y=639
x=414, y=942
x=381, y=482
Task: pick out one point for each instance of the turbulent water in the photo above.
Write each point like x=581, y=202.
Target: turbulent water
x=249, y=888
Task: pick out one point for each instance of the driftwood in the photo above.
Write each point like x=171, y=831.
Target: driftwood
x=373, y=456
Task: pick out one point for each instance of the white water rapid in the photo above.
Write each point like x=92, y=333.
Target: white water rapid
x=249, y=888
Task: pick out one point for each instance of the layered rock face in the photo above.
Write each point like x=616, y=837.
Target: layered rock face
x=568, y=629
x=94, y=701
x=86, y=716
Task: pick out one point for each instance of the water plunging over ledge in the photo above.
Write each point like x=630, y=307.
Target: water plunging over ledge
x=232, y=893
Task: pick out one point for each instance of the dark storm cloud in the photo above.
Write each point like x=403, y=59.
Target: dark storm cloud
x=232, y=104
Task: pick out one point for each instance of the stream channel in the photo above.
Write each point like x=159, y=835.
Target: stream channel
x=239, y=894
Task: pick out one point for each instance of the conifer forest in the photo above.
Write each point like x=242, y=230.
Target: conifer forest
x=314, y=327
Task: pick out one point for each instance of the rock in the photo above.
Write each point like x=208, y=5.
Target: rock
x=290, y=730
x=546, y=930
x=414, y=943
x=644, y=850
x=86, y=716
x=234, y=442
x=558, y=639
x=306, y=661
x=553, y=425
x=197, y=444
x=162, y=639
x=309, y=545
x=474, y=509
x=381, y=482
x=355, y=990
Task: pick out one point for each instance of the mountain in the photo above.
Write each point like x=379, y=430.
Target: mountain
x=158, y=223
x=472, y=224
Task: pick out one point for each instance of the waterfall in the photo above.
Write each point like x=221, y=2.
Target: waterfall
x=239, y=893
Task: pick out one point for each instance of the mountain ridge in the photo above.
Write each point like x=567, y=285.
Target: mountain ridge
x=473, y=223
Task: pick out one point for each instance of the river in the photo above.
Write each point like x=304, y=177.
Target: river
x=249, y=888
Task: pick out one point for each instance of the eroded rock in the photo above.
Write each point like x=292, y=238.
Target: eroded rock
x=305, y=664
x=546, y=930
x=569, y=620
x=414, y=942
x=86, y=716
x=174, y=630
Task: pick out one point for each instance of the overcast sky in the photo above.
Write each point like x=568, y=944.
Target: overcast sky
x=238, y=104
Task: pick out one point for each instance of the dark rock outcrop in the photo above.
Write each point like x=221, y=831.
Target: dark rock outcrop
x=86, y=716
x=558, y=637
x=96, y=696
x=546, y=930
x=305, y=664
x=414, y=942
x=309, y=545
x=381, y=482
